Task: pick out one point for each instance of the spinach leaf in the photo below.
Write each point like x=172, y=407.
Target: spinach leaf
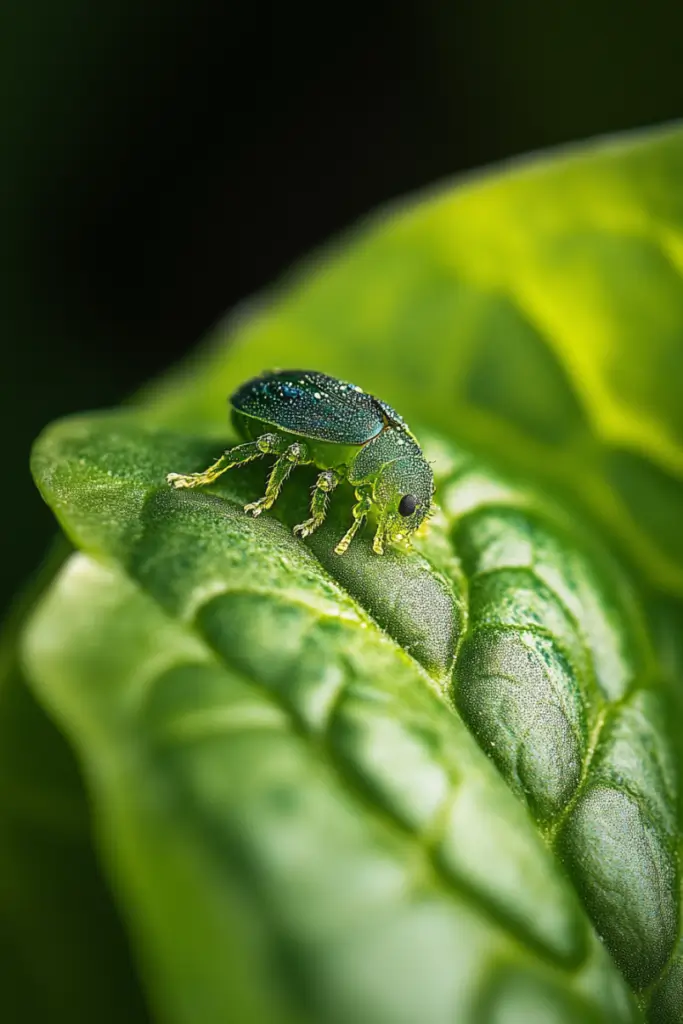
x=320, y=806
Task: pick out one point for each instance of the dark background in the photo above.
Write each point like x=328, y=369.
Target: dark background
x=162, y=160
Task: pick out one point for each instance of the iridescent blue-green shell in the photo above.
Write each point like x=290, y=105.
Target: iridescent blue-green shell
x=311, y=404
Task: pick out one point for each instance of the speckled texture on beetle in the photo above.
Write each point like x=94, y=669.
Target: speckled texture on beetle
x=304, y=417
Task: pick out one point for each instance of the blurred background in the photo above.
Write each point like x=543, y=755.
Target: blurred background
x=163, y=160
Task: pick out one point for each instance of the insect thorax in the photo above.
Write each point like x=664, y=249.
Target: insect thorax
x=392, y=444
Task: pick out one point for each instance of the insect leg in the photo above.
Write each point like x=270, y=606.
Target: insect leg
x=378, y=540
x=360, y=511
x=267, y=444
x=324, y=485
x=295, y=455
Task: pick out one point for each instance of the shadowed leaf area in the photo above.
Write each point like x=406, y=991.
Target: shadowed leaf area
x=439, y=785
x=63, y=954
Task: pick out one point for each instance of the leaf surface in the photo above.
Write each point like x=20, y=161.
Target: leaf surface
x=374, y=779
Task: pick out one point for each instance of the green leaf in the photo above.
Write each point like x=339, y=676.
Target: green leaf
x=63, y=956
x=557, y=680
x=269, y=709
x=299, y=823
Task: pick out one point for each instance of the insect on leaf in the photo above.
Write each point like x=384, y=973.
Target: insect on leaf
x=440, y=785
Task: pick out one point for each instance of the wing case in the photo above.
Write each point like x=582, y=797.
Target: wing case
x=313, y=405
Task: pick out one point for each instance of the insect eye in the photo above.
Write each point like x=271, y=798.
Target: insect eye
x=407, y=505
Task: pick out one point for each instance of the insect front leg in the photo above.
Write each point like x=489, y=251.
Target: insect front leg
x=360, y=512
x=267, y=444
x=324, y=485
x=295, y=455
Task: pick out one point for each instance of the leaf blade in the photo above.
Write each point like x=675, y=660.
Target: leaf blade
x=342, y=684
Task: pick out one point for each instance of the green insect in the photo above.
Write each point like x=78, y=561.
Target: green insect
x=304, y=417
